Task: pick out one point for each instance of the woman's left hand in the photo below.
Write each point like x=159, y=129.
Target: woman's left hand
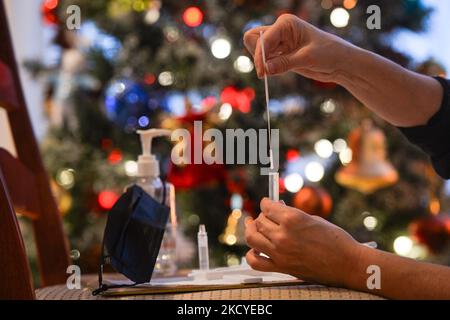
x=299, y=244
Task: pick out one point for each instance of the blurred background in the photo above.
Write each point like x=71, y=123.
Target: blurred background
x=137, y=64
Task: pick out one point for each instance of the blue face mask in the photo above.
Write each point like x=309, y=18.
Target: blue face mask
x=133, y=236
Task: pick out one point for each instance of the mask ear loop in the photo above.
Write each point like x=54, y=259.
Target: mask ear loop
x=104, y=287
x=101, y=286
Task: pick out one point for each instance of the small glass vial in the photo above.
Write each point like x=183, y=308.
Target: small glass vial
x=203, y=254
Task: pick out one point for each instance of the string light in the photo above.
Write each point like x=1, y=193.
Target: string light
x=403, y=245
x=339, y=17
x=293, y=182
x=165, y=78
x=232, y=260
x=236, y=202
x=51, y=4
x=152, y=16
x=107, y=199
x=314, y=171
x=225, y=111
x=323, y=148
x=328, y=106
x=350, y=4
x=193, y=17
x=220, y=48
x=339, y=145
x=131, y=168
x=66, y=178
x=243, y=64
x=115, y=156
x=292, y=155
x=346, y=156
x=171, y=34
x=370, y=223
x=139, y=5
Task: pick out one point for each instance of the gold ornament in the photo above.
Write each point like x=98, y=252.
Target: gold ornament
x=369, y=170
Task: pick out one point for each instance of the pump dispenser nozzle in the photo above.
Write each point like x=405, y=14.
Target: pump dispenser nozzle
x=148, y=165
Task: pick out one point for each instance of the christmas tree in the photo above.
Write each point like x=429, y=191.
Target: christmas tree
x=138, y=64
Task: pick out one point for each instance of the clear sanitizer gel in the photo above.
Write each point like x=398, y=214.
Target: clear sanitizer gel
x=149, y=180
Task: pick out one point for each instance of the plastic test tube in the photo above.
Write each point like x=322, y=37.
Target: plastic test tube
x=274, y=185
x=203, y=255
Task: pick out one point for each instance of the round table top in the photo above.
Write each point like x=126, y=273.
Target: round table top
x=294, y=292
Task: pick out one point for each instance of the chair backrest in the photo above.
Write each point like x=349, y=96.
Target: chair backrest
x=24, y=187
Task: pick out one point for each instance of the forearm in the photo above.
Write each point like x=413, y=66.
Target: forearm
x=399, y=96
x=401, y=278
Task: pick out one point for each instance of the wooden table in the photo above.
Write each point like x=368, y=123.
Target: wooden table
x=295, y=292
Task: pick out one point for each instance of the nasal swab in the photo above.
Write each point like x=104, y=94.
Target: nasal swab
x=273, y=176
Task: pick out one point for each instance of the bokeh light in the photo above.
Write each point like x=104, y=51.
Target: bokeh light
x=403, y=245
x=370, y=223
x=323, y=148
x=243, y=64
x=293, y=182
x=314, y=171
x=220, y=48
x=193, y=17
x=339, y=17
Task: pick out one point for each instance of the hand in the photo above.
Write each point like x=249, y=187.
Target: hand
x=291, y=44
x=301, y=245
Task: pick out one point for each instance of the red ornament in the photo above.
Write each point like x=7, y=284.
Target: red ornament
x=239, y=99
x=432, y=231
x=193, y=175
x=313, y=200
x=193, y=17
x=48, y=10
x=237, y=181
x=106, y=199
x=115, y=156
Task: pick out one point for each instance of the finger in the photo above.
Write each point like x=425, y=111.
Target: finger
x=257, y=241
x=257, y=59
x=259, y=263
x=251, y=38
x=272, y=210
x=266, y=226
x=272, y=40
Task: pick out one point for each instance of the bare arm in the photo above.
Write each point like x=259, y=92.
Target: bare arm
x=400, y=96
x=313, y=249
x=401, y=278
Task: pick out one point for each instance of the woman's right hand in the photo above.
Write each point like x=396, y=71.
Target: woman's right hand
x=292, y=44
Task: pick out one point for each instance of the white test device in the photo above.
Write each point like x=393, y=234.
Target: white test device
x=273, y=176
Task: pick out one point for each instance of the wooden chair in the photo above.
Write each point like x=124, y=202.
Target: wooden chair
x=24, y=187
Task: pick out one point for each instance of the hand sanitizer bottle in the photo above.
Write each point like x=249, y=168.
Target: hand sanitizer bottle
x=148, y=179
